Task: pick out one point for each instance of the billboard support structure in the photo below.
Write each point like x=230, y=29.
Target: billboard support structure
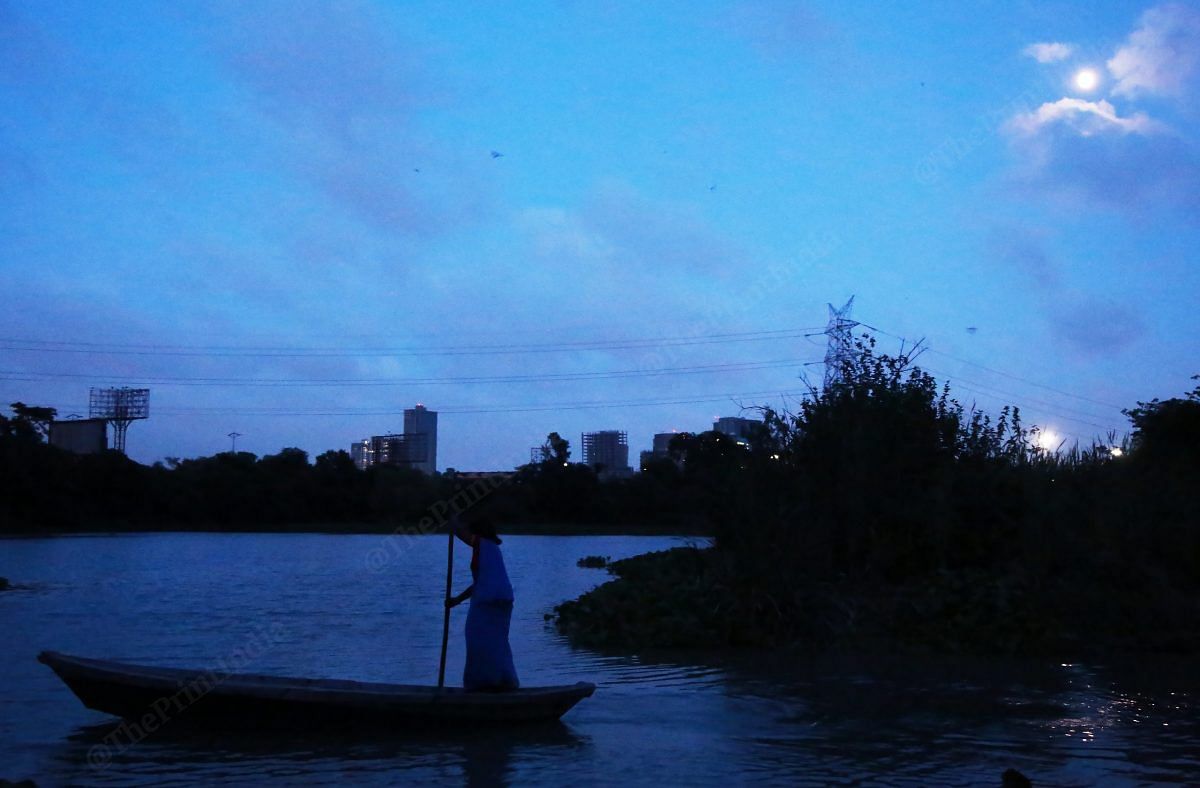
x=119, y=407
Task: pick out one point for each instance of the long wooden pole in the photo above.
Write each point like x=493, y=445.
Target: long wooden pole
x=446, y=619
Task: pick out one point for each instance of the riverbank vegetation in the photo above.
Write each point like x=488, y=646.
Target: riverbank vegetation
x=883, y=513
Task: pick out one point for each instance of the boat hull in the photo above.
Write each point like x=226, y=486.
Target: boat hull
x=154, y=695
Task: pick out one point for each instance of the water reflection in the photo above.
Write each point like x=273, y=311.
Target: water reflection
x=676, y=717
x=481, y=757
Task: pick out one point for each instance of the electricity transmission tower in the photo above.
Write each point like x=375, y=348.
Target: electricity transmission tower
x=841, y=342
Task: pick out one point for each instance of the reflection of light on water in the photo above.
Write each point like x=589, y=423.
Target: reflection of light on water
x=1101, y=717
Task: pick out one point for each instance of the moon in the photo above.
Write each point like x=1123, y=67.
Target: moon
x=1086, y=79
x=1048, y=440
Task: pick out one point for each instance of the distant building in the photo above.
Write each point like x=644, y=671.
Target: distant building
x=607, y=451
x=661, y=450
x=737, y=428
x=403, y=450
x=421, y=422
x=81, y=436
x=360, y=452
x=415, y=448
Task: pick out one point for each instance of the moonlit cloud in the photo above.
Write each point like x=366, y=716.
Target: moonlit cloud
x=1110, y=155
x=1161, y=56
x=1085, y=117
x=1048, y=52
x=1109, y=167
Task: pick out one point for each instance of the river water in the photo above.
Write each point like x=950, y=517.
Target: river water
x=369, y=608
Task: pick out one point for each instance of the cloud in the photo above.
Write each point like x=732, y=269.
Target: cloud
x=1129, y=173
x=326, y=64
x=343, y=92
x=1083, y=154
x=661, y=236
x=1161, y=56
x=1051, y=52
x=776, y=30
x=1021, y=250
x=1085, y=117
x=1096, y=326
x=28, y=55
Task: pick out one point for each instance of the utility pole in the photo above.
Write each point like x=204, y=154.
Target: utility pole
x=840, y=350
x=233, y=436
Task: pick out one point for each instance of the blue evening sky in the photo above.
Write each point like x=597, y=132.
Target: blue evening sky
x=287, y=219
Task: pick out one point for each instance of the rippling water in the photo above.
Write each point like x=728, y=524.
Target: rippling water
x=359, y=607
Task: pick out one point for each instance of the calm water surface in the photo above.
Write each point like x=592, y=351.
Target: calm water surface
x=353, y=607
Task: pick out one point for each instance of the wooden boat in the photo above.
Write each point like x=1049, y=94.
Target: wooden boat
x=207, y=697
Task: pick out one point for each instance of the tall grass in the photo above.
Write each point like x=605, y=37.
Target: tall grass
x=886, y=484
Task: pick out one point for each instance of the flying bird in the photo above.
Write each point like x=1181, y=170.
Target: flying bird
x=496, y=154
x=971, y=329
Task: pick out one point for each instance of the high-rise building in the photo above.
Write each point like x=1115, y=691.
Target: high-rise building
x=607, y=451
x=402, y=450
x=415, y=448
x=421, y=422
x=662, y=443
x=360, y=452
x=737, y=428
x=661, y=450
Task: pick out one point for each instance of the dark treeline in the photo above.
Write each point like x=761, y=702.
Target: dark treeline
x=46, y=489
x=884, y=509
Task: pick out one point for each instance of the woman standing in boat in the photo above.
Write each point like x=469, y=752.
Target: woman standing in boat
x=489, y=657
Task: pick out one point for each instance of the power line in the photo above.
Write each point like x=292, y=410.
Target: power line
x=998, y=398
x=465, y=409
x=740, y=366
x=96, y=348
x=58, y=346
x=957, y=381
x=1000, y=372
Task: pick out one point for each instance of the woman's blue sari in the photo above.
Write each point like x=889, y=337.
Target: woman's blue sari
x=489, y=658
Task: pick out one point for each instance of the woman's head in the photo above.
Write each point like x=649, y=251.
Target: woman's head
x=483, y=526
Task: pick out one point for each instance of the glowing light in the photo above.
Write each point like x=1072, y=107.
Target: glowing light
x=1116, y=452
x=1087, y=79
x=1048, y=440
